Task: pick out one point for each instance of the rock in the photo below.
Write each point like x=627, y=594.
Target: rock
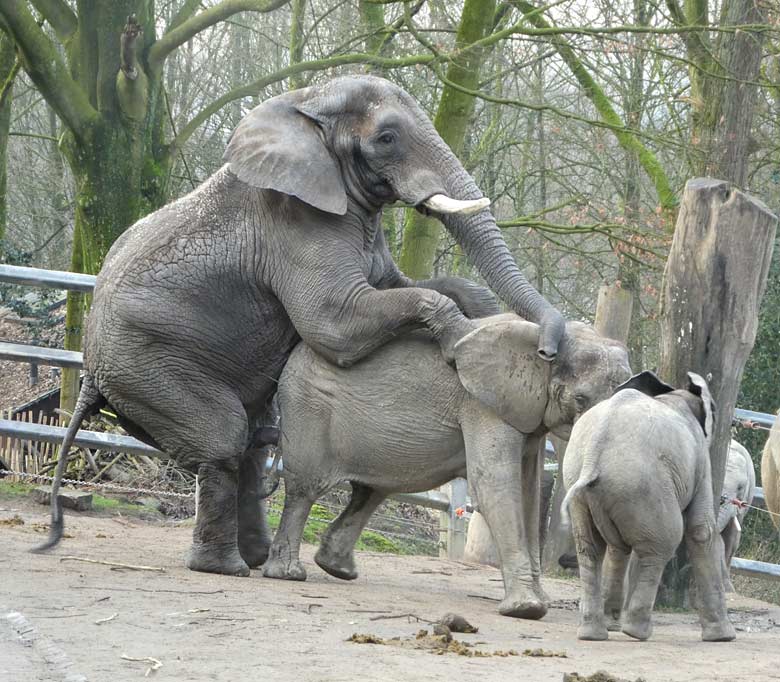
x=72, y=499
x=457, y=623
x=442, y=631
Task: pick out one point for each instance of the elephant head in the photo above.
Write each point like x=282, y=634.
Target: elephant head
x=361, y=141
x=497, y=364
x=695, y=395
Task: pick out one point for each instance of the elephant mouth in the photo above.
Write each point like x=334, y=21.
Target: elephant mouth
x=445, y=205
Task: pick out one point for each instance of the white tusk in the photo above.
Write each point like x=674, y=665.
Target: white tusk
x=441, y=203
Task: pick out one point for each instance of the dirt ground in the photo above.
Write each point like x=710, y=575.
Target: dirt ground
x=206, y=627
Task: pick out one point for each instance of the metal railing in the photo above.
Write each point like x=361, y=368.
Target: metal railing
x=448, y=505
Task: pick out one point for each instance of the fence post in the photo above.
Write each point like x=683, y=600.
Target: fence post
x=455, y=525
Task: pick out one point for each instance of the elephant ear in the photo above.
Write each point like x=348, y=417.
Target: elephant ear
x=698, y=386
x=646, y=382
x=498, y=364
x=280, y=146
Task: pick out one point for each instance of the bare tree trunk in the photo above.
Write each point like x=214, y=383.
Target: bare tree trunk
x=8, y=68
x=714, y=280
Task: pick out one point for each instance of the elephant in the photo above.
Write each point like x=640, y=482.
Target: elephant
x=404, y=420
x=738, y=488
x=198, y=305
x=637, y=472
x=770, y=472
x=739, y=484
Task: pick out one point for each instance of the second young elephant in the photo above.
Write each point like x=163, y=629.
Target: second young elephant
x=637, y=470
x=738, y=487
x=402, y=421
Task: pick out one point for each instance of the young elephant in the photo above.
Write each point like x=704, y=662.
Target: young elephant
x=738, y=487
x=402, y=421
x=637, y=470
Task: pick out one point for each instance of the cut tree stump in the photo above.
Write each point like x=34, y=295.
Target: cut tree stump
x=714, y=280
x=72, y=499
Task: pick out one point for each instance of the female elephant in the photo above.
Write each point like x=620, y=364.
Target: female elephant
x=402, y=421
x=199, y=304
x=637, y=470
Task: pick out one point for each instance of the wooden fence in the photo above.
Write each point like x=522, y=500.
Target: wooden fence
x=27, y=456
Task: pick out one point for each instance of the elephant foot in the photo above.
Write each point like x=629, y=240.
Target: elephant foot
x=613, y=624
x=529, y=606
x=211, y=559
x=568, y=561
x=593, y=632
x=541, y=595
x=254, y=549
x=339, y=566
x=718, y=632
x=640, y=629
x=284, y=570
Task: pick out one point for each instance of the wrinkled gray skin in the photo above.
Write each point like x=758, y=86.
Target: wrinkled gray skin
x=199, y=305
x=401, y=421
x=739, y=484
x=637, y=469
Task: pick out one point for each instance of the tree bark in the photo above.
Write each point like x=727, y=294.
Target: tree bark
x=8, y=66
x=714, y=280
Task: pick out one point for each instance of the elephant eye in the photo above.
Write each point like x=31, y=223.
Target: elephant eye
x=581, y=399
x=386, y=137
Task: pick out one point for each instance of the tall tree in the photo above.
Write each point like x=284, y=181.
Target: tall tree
x=102, y=75
x=421, y=233
x=8, y=69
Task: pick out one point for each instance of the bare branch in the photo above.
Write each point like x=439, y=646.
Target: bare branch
x=43, y=64
x=59, y=16
x=185, y=12
x=187, y=30
x=254, y=88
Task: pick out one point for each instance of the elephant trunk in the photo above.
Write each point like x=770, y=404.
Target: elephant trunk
x=727, y=511
x=484, y=244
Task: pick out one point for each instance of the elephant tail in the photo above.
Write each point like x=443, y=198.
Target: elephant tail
x=89, y=400
x=589, y=476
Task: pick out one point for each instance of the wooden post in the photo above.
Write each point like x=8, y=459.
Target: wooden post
x=613, y=312
x=613, y=320
x=713, y=284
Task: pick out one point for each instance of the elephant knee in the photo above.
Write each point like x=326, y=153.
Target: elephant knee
x=700, y=534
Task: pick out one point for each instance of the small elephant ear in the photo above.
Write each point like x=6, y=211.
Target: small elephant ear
x=279, y=146
x=698, y=386
x=498, y=364
x=646, y=382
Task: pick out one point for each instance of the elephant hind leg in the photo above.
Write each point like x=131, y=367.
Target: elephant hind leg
x=336, y=553
x=283, y=556
x=590, y=555
x=614, y=573
x=253, y=536
x=646, y=572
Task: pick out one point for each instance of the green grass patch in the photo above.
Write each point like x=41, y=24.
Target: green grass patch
x=11, y=489
x=371, y=541
x=99, y=502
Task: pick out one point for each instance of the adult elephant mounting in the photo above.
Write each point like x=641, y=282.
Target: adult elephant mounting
x=199, y=304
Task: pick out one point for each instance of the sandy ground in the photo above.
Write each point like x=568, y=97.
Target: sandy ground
x=206, y=627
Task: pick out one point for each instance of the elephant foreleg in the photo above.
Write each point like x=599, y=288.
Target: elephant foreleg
x=494, y=462
x=336, y=553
